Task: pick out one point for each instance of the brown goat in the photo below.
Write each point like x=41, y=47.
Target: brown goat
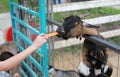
x=94, y=61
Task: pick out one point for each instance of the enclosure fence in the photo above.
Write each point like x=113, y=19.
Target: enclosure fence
x=95, y=21
x=29, y=19
x=66, y=49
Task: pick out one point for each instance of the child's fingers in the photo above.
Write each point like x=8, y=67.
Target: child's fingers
x=42, y=35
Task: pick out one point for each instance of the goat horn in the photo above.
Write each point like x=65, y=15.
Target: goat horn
x=89, y=25
x=83, y=15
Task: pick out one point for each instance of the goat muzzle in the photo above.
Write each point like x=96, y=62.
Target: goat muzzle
x=60, y=31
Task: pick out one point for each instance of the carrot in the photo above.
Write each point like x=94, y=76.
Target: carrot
x=51, y=34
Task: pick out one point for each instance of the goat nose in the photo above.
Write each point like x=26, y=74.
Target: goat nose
x=60, y=30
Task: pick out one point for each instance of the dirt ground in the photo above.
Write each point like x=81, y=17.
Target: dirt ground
x=70, y=61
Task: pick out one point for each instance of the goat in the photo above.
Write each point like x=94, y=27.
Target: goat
x=94, y=60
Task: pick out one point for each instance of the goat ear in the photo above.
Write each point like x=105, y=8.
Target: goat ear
x=86, y=25
x=84, y=15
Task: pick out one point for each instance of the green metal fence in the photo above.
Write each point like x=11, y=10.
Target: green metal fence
x=35, y=65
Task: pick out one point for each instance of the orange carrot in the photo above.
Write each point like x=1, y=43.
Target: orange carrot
x=51, y=34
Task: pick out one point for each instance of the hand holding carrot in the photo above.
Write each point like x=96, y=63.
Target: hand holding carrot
x=40, y=39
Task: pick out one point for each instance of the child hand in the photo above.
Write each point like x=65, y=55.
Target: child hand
x=40, y=39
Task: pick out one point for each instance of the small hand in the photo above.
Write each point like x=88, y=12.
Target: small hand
x=40, y=39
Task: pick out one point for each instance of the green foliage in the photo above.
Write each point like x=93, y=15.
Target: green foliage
x=4, y=6
x=94, y=12
x=115, y=40
x=74, y=49
x=112, y=25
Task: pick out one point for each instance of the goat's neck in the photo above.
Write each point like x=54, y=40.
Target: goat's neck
x=89, y=31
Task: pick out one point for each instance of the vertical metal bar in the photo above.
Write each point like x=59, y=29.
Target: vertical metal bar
x=50, y=28
x=42, y=18
x=13, y=21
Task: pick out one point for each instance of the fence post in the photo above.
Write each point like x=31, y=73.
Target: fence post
x=42, y=24
x=13, y=21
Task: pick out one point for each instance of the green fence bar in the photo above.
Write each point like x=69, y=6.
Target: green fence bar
x=42, y=23
x=25, y=9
